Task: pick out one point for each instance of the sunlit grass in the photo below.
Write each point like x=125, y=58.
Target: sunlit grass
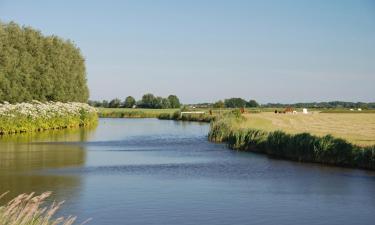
x=28, y=209
x=355, y=128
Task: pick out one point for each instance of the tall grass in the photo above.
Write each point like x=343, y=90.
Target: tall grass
x=132, y=113
x=204, y=117
x=36, y=116
x=28, y=209
x=302, y=147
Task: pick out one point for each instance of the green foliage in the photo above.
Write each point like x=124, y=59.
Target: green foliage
x=38, y=67
x=174, y=101
x=129, y=102
x=252, y=103
x=149, y=101
x=219, y=104
x=235, y=103
x=115, y=103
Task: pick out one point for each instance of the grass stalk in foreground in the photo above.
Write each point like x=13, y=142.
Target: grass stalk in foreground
x=28, y=209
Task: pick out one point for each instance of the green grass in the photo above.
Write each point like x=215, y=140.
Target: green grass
x=132, y=113
x=303, y=147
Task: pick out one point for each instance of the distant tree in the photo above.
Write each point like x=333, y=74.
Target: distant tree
x=174, y=101
x=148, y=101
x=252, y=103
x=129, y=102
x=219, y=104
x=115, y=103
x=165, y=103
x=235, y=103
x=105, y=104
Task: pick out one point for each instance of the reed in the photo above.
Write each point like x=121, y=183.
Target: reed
x=187, y=117
x=28, y=209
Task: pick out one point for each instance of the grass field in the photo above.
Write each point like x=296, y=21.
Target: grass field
x=357, y=128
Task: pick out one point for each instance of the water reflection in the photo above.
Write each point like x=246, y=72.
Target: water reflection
x=22, y=156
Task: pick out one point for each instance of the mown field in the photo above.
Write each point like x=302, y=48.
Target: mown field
x=357, y=128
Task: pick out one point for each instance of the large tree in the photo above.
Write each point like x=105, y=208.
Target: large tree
x=174, y=101
x=129, y=102
x=38, y=67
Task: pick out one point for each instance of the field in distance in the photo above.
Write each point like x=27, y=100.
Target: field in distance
x=357, y=128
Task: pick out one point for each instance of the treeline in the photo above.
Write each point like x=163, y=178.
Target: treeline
x=228, y=103
x=333, y=104
x=148, y=101
x=38, y=67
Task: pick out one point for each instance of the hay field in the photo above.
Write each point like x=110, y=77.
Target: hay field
x=356, y=128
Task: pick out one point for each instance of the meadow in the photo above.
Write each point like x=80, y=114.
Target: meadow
x=304, y=138
x=357, y=128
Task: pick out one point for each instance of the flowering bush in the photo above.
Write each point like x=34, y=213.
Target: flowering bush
x=34, y=116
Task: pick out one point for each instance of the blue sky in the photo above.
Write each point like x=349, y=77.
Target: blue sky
x=201, y=50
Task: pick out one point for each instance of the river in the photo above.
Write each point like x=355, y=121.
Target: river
x=149, y=171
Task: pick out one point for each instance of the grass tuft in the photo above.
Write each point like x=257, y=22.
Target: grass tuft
x=28, y=209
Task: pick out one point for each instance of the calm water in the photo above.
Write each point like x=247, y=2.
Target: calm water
x=146, y=171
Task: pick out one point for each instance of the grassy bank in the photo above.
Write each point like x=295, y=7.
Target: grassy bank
x=132, y=113
x=204, y=117
x=303, y=147
x=27, y=209
x=37, y=116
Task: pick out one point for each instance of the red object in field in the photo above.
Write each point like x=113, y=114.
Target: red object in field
x=242, y=110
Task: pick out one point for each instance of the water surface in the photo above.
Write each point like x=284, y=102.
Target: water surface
x=147, y=171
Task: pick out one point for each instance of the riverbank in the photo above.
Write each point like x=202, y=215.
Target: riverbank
x=302, y=147
x=132, y=113
x=37, y=116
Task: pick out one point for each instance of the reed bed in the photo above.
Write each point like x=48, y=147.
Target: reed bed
x=204, y=117
x=132, y=113
x=36, y=116
x=302, y=147
x=31, y=209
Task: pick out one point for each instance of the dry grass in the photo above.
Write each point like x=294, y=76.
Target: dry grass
x=27, y=209
x=356, y=128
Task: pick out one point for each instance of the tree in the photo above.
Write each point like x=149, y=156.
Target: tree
x=129, y=102
x=165, y=103
x=252, y=103
x=38, y=67
x=105, y=104
x=219, y=104
x=148, y=101
x=115, y=103
x=235, y=103
x=174, y=101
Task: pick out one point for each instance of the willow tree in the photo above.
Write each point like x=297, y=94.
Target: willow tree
x=38, y=67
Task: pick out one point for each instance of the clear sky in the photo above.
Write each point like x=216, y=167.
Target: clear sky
x=202, y=50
